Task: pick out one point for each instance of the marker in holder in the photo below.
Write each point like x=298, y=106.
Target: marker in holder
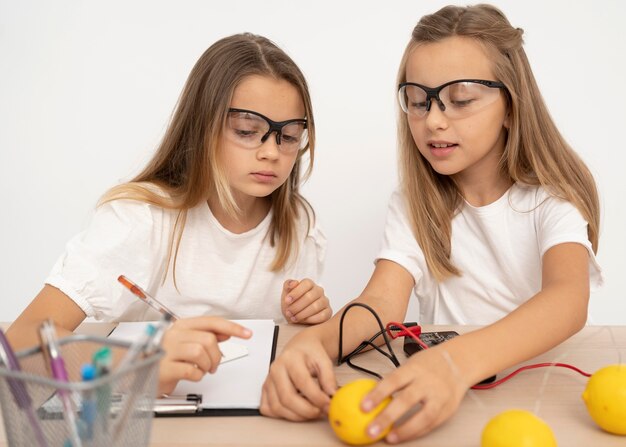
x=124, y=390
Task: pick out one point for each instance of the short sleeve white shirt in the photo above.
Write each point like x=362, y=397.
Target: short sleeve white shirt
x=498, y=249
x=217, y=272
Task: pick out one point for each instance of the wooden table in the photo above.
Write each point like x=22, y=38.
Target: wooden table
x=555, y=393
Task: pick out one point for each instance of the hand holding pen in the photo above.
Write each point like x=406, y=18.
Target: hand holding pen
x=191, y=349
x=190, y=344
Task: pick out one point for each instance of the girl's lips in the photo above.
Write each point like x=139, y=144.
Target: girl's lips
x=442, y=150
x=264, y=177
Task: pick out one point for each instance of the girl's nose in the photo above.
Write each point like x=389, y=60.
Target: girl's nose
x=435, y=117
x=270, y=148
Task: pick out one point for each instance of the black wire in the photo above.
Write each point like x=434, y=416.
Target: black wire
x=360, y=368
x=369, y=342
x=347, y=359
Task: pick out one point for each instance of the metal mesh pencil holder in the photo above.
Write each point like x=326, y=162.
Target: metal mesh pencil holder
x=115, y=409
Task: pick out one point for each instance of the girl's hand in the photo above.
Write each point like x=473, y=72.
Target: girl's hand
x=191, y=349
x=427, y=386
x=300, y=381
x=304, y=302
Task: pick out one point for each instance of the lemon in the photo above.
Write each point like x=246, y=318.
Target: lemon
x=347, y=419
x=605, y=397
x=517, y=428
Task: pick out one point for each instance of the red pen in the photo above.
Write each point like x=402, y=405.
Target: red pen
x=146, y=298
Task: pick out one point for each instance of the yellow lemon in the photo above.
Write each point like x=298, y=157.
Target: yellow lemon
x=345, y=416
x=605, y=397
x=517, y=428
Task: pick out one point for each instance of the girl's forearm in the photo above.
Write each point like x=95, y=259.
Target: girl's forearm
x=546, y=320
x=387, y=293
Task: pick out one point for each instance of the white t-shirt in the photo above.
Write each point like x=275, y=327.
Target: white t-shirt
x=217, y=272
x=498, y=248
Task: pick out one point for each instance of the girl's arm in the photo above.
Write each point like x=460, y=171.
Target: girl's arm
x=50, y=302
x=190, y=344
x=438, y=378
x=301, y=379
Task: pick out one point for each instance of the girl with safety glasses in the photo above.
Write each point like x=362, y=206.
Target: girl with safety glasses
x=214, y=226
x=495, y=224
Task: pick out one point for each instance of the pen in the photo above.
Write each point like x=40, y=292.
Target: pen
x=151, y=301
x=102, y=361
x=89, y=410
x=52, y=352
x=19, y=391
x=146, y=298
x=148, y=343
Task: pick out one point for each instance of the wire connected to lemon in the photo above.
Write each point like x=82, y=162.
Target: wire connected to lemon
x=347, y=419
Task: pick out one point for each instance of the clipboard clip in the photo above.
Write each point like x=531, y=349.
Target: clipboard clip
x=178, y=404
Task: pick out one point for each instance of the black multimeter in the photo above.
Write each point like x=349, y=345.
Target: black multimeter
x=431, y=339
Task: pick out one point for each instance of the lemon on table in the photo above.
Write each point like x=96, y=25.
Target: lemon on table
x=347, y=419
x=517, y=428
x=605, y=397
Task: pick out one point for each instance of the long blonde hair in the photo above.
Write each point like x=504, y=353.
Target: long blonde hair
x=186, y=164
x=535, y=152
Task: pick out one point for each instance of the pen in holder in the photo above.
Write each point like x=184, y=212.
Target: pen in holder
x=145, y=345
x=52, y=353
x=132, y=389
x=18, y=390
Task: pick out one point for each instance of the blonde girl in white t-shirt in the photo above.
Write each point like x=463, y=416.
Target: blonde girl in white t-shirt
x=495, y=223
x=214, y=226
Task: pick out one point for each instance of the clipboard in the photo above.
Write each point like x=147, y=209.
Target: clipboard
x=235, y=389
x=194, y=404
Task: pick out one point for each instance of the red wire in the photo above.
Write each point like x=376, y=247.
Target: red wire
x=415, y=331
x=523, y=368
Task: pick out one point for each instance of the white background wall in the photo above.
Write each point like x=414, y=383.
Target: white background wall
x=86, y=90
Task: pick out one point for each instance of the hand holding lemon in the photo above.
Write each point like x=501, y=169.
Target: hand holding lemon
x=347, y=419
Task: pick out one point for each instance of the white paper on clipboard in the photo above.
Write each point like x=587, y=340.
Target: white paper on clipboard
x=131, y=330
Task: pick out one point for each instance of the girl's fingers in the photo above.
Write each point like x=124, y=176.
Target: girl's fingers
x=423, y=421
x=286, y=298
x=191, y=347
x=424, y=395
x=323, y=370
x=287, y=402
x=297, y=289
x=216, y=325
x=305, y=303
x=401, y=403
x=307, y=386
x=192, y=353
x=299, y=384
x=317, y=303
x=271, y=405
x=171, y=372
x=289, y=285
x=305, y=300
x=397, y=380
x=197, y=347
x=317, y=318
